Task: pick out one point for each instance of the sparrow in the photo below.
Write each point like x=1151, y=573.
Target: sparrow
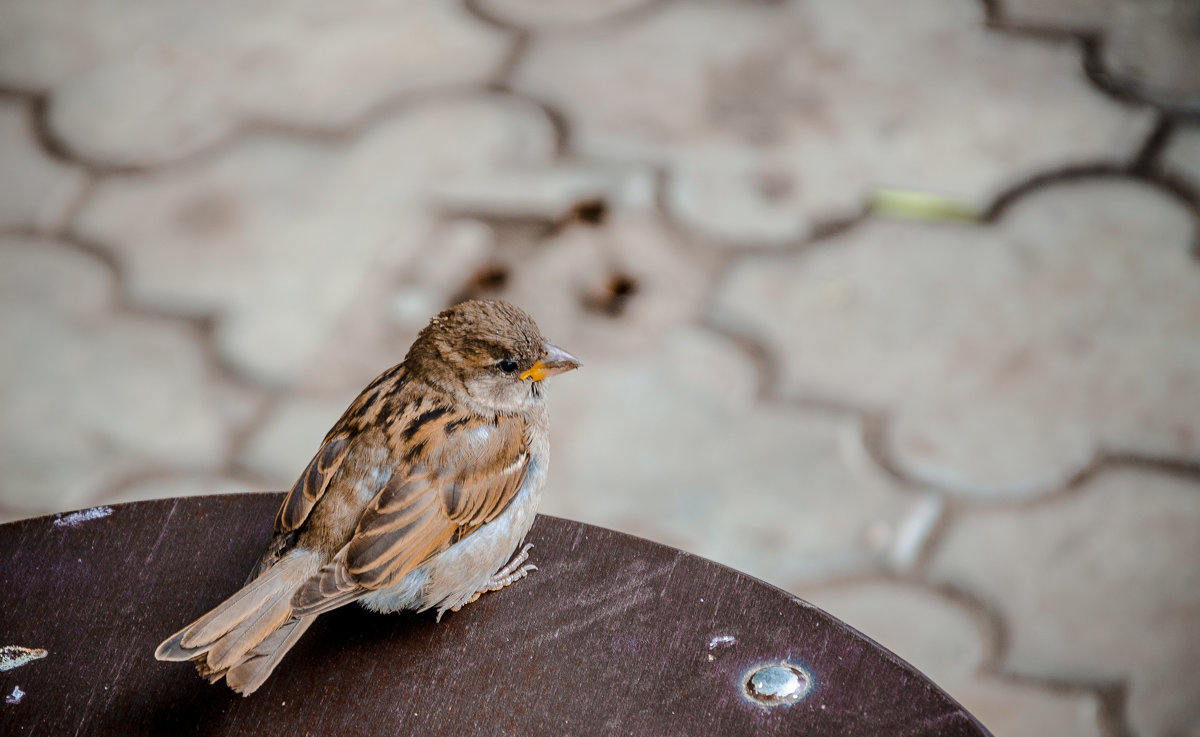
x=415, y=500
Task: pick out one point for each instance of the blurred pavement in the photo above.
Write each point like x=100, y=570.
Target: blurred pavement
x=977, y=440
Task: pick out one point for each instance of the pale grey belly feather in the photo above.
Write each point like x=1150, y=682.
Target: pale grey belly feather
x=453, y=577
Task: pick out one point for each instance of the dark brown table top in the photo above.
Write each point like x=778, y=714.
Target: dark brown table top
x=614, y=635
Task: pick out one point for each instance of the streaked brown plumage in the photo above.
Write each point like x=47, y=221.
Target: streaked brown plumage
x=416, y=498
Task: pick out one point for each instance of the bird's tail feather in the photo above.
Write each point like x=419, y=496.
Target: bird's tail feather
x=245, y=636
x=249, y=674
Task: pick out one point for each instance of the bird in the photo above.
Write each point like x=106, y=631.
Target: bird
x=415, y=500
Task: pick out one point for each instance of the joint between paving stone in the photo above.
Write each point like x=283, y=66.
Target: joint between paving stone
x=1111, y=696
x=1144, y=167
x=538, y=228
x=192, y=329
x=636, y=12
x=202, y=327
x=830, y=228
x=90, y=249
x=662, y=185
x=560, y=125
x=330, y=136
x=1145, y=161
x=999, y=24
x=482, y=14
x=726, y=253
x=870, y=423
x=819, y=230
x=992, y=13
x=987, y=617
x=1102, y=461
x=501, y=78
x=1172, y=186
x=342, y=135
x=60, y=150
x=479, y=10
x=871, y=420
x=1180, y=468
x=36, y=104
x=875, y=431
x=1091, y=48
x=241, y=436
x=1127, y=92
x=1114, y=709
x=64, y=228
x=60, y=226
x=875, y=428
x=765, y=364
x=1089, y=43
x=829, y=405
x=16, y=94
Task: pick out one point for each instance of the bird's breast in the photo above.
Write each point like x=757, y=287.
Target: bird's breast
x=463, y=569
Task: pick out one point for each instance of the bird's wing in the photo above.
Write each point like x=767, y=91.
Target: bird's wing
x=311, y=485
x=455, y=477
x=314, y=481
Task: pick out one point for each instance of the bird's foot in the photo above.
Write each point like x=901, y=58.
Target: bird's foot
x=510, y=573
x=506, y=576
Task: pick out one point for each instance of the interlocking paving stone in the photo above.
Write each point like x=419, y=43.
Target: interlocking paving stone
x=611, y=292
x=673, y=446
x=1010, y=353
x=770, y=117
x=392, y=303
x=947, y=644
x=602, y=290
x=1152, y=48
x=276, y=234
x=1183, y=155
x=35, y=190
x=550, y=192
x=136, y=83
x=289, y=436
x=1116, y=595
x=541, y=14
x=90, y=394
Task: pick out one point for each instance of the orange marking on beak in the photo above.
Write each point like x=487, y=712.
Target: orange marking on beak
x=537, y=372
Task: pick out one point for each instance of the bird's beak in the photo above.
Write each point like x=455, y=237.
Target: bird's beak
x=556, y=361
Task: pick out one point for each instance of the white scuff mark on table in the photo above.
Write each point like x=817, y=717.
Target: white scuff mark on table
x=84, y=515
x=721, y=641
x=15, y=697
x=14, y=656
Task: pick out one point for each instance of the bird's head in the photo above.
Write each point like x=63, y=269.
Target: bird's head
x=489, y=354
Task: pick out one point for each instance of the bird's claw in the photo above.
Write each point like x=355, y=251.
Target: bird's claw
x=511, y=573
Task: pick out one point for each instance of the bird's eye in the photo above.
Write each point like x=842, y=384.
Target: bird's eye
x=507, y=366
